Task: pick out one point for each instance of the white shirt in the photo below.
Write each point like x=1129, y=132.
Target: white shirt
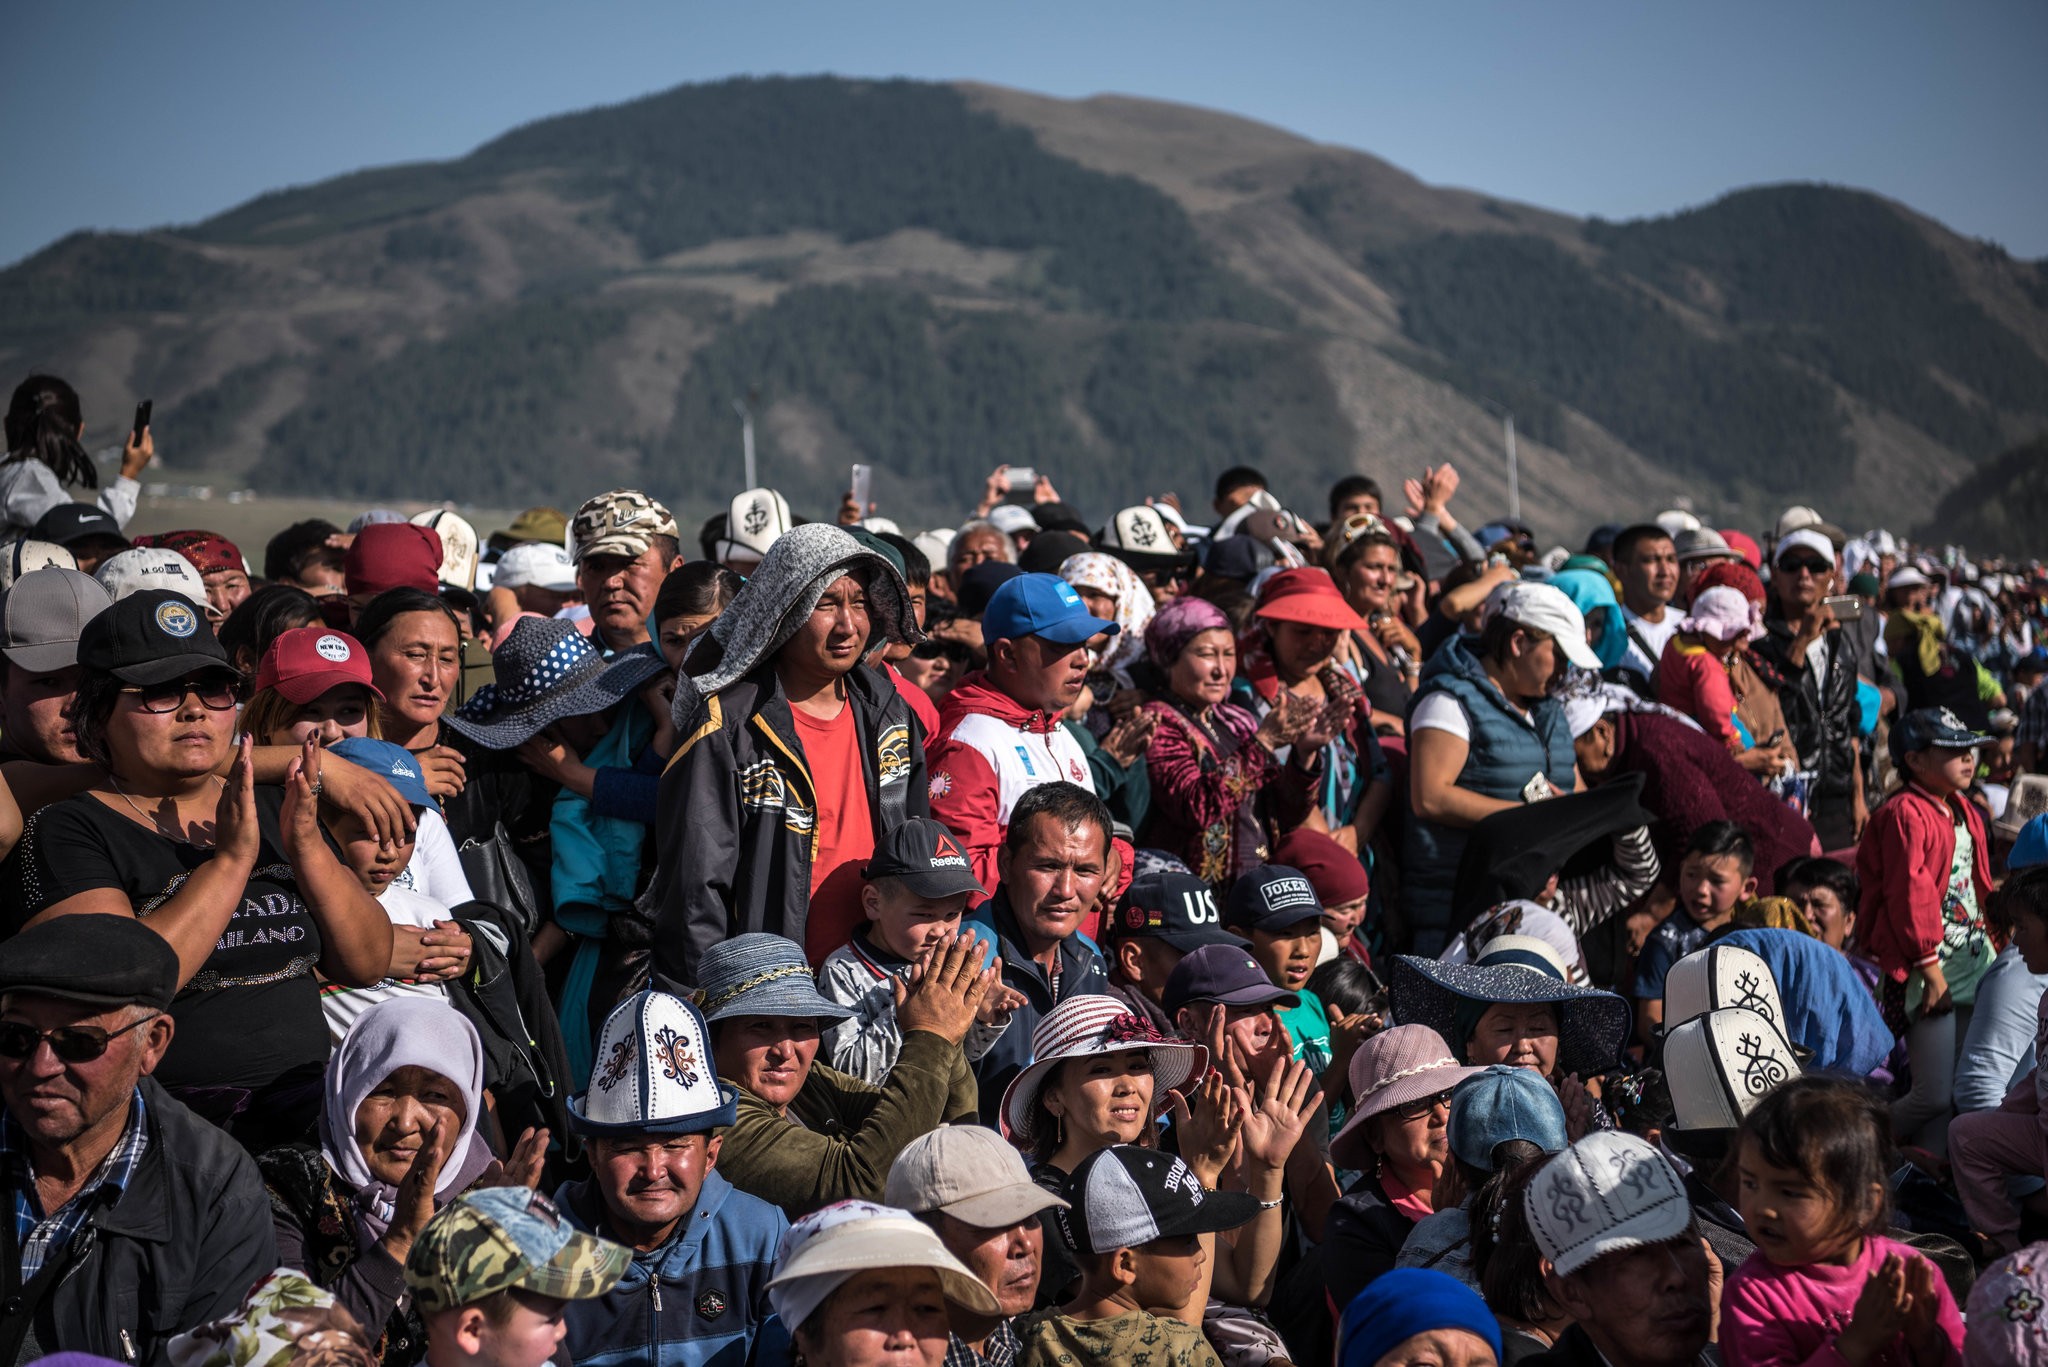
x=29, y=488
x=435, y=870
x=1656, y=634
x=341, y=1005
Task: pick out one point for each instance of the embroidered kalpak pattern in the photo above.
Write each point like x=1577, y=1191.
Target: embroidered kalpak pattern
x=617, y=1064
x=678, y=1064
x=1762, y=1069
x=1750, y=993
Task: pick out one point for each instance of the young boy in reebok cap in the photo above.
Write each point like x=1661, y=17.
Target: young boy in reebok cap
x=1136, y=1221
x=492, y=1273
x=917, y=887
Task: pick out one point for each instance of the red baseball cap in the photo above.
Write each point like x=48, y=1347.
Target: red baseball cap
x=1333, y=871
x=1307, y=595
x=393, y=555
x=305, y=662
x=209, y=552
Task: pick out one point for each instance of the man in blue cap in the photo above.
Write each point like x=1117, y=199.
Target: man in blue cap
x=696, y=1291
x=999, y=731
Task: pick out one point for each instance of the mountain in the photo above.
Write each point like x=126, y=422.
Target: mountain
x=2001, y=506
x=1126, y=294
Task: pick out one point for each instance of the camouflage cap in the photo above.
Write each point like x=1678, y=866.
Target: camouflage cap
x=499, y=1238
x=622, y=522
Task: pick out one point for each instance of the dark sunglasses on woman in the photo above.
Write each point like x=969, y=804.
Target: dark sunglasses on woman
x=217, y=691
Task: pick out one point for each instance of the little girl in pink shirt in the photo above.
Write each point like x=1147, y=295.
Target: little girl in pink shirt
x=1824, y=1287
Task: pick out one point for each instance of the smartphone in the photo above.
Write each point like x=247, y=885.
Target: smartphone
x=1022, y=479
x=142, y=411
x=863, y=487
x=1847, y=606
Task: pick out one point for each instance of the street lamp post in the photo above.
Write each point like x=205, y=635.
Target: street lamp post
x=1507, y=417
x=740, y=407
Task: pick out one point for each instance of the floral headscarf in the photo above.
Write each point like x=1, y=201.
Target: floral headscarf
x=284, y=1321
x=1107, y=574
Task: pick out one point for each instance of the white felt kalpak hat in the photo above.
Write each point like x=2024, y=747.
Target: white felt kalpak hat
x=1721, y=1064
x=1721, y=976
x=654, y=1073
x=1607, y=1193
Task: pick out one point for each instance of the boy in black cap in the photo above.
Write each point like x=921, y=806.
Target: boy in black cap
x=918, y=885
x=1136, y=1222
x=1163, y=917
x=1277, y=910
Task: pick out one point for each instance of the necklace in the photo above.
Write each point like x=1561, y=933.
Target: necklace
x=154, y=823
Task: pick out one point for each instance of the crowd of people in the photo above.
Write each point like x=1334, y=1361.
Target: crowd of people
x=1217, y=937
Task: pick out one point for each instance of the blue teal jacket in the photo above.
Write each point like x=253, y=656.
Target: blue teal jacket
x=699, y=1300
x=1507, y=750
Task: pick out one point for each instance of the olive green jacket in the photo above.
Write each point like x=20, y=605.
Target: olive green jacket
x=841, y=1134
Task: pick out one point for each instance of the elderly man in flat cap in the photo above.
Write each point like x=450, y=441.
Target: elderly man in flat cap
x=133, y=1219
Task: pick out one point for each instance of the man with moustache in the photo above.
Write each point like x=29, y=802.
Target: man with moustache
x=971, y=1186
x=696, y=1292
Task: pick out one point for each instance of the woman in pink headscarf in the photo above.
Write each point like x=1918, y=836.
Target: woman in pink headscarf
x=1210, y=759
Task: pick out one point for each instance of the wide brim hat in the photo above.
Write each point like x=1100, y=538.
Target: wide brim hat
x=1309, y=596
x=1084, y=1027
x=547, y=671
x=654, y=1073
x=758, y=974
x=1397, y=1067
x=1591, y=1025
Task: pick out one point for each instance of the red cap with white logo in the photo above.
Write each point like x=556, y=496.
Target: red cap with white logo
x=305, y=662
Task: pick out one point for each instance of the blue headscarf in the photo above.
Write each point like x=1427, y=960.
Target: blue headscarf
x=1594, y=597
x=1396, y=1306
x=1827, y=1007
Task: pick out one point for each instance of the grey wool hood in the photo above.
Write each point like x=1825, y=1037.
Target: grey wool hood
x=777, y=597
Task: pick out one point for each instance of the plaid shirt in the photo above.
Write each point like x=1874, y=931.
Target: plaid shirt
x=38, y=1235
x=999, y=1351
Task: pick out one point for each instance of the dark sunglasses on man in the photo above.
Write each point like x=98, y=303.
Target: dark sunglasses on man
x=217, y=691
x=1794, y=564
x=70, y=1043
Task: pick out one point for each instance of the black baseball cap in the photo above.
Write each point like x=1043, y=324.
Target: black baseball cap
x=1125, y=1197
x=929, y=859
x=98, y=960
x=1933, y=728
x=1225, y=974
x=1175, y=908
x=1271, y=897
x=152, y=636
x=69, y=523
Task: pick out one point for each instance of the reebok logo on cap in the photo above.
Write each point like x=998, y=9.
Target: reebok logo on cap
x=946, y=852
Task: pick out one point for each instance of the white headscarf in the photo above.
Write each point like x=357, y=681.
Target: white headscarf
x=404, y=1032
x=1107, y=574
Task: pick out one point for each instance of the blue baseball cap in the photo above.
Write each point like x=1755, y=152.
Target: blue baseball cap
x=1503, y=1103
x=1040, y=605
x=393, y=763
x=2031, y=847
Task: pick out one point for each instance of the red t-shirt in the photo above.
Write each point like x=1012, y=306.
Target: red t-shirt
x=846, y=831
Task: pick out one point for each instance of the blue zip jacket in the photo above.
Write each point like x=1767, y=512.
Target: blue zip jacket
x=699, y=1300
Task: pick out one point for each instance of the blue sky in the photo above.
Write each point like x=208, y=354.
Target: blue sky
x=130, y=115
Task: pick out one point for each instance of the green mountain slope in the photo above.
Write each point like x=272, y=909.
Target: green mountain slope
x=2001, y=507
x=1129, y=295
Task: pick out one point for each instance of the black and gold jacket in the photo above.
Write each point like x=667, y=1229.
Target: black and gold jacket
x=738, y=820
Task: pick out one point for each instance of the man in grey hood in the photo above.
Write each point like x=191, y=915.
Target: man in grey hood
x=793, y=757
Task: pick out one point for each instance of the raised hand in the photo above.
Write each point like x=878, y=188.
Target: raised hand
x=1882, y=1310
x=523, y=1168
x=1278, y=1111
x=1578, y=1108
x=946, y=991
x=413, y=1204
x=352, y=788
x=1209, y=1123
x=236, y=835
x=442, y=768
x=1128, y=738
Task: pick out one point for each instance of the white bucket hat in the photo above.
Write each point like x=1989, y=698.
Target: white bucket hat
x=830, y=1247
x=654, y=1073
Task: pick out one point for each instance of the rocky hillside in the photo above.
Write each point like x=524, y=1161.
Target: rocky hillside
x=1126, y=294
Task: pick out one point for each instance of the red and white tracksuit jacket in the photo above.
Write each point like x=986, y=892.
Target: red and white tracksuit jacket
x=989, y=751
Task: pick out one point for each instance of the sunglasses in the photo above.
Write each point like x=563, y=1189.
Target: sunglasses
x=1816, y=568
x=1416, y=1110
x=70, y=1043
x=217, y=692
